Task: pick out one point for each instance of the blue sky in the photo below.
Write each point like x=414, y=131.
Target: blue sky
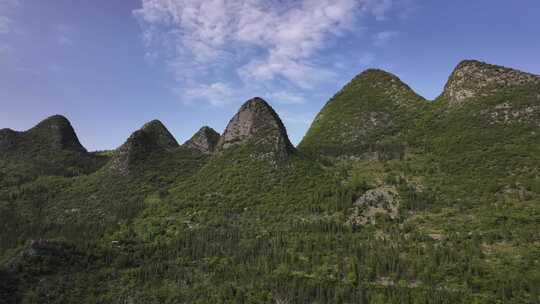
x=110, y=66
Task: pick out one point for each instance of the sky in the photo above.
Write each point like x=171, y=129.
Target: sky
x=110, y=66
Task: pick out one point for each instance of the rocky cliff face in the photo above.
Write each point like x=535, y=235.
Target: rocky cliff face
x=379, y=201
x=257, y=123
x=152, y=137
x=204, y=141
x=471, y=79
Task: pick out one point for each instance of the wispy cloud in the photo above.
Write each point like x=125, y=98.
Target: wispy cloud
x=5, y=23
x=384, y=37
x=285, y=97
x=379, y=8
x=250, y=41
x=63, y=35
x=5, y=49
x=217, y=94
x=297, y=118
x=6, y=9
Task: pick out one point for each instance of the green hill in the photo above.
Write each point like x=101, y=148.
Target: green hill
x=389, y=198
x=365, y=118
x=49, y=148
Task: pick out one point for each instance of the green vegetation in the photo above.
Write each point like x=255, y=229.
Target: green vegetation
x=245, y=225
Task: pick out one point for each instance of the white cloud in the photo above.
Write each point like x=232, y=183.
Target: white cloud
x=382, y=38
x=257, y=41
x=285, y=97
x=288, y=35
x=65, y=40
x=297, y=118
x=64, y=35
x=5, y=23
x=5, y=48
x=6, y=8
x=56, y=68
x=379, y=8
x=366, y=59
x=217, y=94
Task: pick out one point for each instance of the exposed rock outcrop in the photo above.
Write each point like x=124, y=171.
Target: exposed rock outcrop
x=204, y=141
x=507, y=113
x=257, y=123
x=472, y=78
x=152, y=137
x=379, y=201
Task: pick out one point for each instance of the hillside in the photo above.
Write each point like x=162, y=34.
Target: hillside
x=365, y=118
x=389, y=198
x=49, y=148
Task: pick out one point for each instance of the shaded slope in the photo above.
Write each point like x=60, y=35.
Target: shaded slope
x=153, y=137
x=49, y=148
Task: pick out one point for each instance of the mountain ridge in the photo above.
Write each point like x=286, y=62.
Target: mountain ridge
x=388, y=199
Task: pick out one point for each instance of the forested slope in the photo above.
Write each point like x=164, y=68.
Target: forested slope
x=389, y=198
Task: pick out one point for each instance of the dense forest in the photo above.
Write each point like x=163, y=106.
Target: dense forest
x=389, y=198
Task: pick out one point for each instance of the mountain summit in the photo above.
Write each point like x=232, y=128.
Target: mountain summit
x=204, y=141
x=257, y=123
x=159, y=133
x=54, y=132
x=383, y=83
x=152, y=137
x=372, y=106
x=472, y=78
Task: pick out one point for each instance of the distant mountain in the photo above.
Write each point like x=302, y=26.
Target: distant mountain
x=152, y=137
x=204, y=141
x=473, y=79
x=49, y=148
x=363, y=117
x=54, y=132
x=257, y=124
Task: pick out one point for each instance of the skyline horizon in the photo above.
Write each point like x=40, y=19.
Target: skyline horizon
x=187, y=137
x=112, y=66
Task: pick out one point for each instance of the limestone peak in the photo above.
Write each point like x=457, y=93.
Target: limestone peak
x=160, y=134
x=258, y=123
x=473, y=78
x=204, y=141
x=57, y=132
x=152, y=137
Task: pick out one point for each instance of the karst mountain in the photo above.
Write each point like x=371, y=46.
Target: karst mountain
x=388, y=198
